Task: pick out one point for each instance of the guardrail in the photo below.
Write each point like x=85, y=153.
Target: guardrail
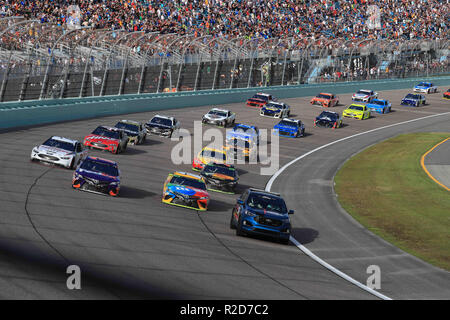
x=37, y=112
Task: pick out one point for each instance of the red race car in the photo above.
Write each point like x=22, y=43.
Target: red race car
x=259, y=100
x=325, y=100
x=447, y=94
x=107, y=138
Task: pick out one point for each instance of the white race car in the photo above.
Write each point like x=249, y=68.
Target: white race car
x=60, y=151
x=425, y=87
x=364, y=95
x=219, y=117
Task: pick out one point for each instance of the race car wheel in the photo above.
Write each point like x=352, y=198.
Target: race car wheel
x=72, y=163
x=119, y=149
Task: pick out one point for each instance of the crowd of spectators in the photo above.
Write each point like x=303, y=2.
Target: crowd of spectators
x=312, y=19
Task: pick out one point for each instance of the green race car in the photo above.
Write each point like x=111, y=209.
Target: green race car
x=357, y=111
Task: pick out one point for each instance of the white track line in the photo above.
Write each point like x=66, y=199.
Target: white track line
x=306, y=250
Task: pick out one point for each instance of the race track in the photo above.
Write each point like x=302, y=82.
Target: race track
x=133, y=246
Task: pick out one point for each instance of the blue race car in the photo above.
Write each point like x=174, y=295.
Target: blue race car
x=425, y=87
x=413, y=100
x=264, y=213
x=292, y=128
x=97, y=175
x=245, y=132
x=379, y=106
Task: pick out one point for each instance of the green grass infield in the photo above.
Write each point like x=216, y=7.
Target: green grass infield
x=386, y=190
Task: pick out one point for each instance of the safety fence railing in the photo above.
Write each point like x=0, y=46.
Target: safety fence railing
x=43, y=61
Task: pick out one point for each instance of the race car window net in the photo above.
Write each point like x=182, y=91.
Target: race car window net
x=106, y=133
x=213, y=154
x=264, y=202
x=59, y=144
x=183, y=181
x=221, y=170
x=101, y=167
x=127, y=126
x=163, y=121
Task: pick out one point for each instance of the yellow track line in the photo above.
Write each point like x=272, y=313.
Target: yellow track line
x=422, y=163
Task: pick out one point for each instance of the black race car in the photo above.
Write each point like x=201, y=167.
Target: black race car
x=220, y=177
x=328, y=119
x=162, y=126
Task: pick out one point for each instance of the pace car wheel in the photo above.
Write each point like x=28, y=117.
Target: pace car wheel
x=239, y=231
x=284, y=241
x=232, y=226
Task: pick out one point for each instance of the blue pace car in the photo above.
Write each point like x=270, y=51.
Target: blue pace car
x=97, y=175
x=292, y=128
x=379, y=106
x=414, y=100
x=259, y=212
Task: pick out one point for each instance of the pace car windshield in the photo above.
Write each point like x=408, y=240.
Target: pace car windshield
x=100, y=131
x=101, y=167
x=127, y=126
x=211, y=169
x=184, y=181
x=213, y=154
x=161, y=121
x=59, y=144
x=266, y=202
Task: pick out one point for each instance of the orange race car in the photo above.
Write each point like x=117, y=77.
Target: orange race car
x=446, y=94
x=325, y=100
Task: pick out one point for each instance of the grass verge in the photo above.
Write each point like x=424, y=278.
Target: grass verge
x=386, y=190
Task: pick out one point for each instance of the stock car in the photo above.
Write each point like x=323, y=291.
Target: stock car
x=364, y=95
x=260, y=99
x=276, y=110
x=357, y=111
x=163, y=126
x=97, y=175
x=413, y=100
x=186, y=190
x=242, y=141
x=328, y=119
x=219, y=117
x=134, y=130
x=220, y=177
x=425, y=87
x=292, y=128
x=59, y=151
x=264, y=213
x=325, y=100
x=446, y=94
x=379, y=106
x=108, y=139
x=207, y=155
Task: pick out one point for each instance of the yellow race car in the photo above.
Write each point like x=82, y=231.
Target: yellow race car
x=208, y=155
x=186, y=190
x=357, y=111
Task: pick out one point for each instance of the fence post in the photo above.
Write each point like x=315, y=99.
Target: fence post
x=5, y=76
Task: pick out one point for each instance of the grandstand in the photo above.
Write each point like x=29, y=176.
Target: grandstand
x=123, y=47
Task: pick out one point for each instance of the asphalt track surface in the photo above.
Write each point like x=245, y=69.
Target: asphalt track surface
x=134, y=246
x=437, y=163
